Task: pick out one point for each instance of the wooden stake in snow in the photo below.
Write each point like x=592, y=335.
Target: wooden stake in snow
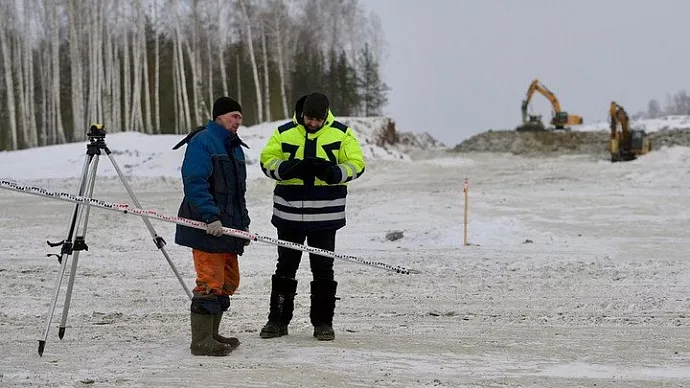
x=465, y=189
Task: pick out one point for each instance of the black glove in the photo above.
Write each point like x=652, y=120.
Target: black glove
x=325, y=170
x=291, y=168
x=317, y=165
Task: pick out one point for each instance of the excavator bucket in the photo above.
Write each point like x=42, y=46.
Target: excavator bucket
x=533, y=124
x=531, y=127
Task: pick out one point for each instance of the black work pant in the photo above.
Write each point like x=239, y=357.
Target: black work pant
x=289, y=259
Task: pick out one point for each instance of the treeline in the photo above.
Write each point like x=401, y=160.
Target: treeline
x=156, y=66
x=676, y=104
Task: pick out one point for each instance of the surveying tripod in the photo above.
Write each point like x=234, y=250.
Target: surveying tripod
x=75, y=241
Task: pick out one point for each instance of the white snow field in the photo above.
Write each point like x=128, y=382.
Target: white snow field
x=577, y=276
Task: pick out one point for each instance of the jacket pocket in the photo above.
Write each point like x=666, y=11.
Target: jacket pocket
x=223, y=184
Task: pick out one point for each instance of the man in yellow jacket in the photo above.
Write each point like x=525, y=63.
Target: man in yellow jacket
x=312, y=158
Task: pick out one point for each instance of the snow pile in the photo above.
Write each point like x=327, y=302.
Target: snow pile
x=143, y=155
x=649, y=125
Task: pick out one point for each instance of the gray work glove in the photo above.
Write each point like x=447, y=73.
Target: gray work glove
x=215, y=228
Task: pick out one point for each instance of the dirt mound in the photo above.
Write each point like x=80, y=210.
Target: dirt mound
x=561, y=142
x=521, y=143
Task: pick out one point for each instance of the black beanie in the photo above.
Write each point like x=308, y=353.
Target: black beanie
x=225, y=105
x=316, y=106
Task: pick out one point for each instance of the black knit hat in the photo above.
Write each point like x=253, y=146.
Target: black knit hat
x=225, y=105
x=316, y=106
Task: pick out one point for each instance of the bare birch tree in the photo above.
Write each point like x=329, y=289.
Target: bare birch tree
x=252, y=59
x=221, y=41
x=30, y=127
x=18, y=51
x=105, y=73
x=78, y=117
x=44, y=77
x=55, y=74
x=157, y=70
x=277, y=29
x=239, y=78
x=194, y=63
x=177, y=100
x=212, y=30
x=103, y=90
x=267, y=82
x=116, y=89
x=148, y=126
x=9, y=76
x=135, y=116
x=127, y=83
x=182, y=82
x=91, y=26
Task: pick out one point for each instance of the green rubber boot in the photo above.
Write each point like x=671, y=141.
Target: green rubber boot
x=231, y=341
x=203, y=343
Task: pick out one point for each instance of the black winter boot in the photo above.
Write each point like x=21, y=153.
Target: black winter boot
x=323, y=308
x=230, y=341
x=283, y=291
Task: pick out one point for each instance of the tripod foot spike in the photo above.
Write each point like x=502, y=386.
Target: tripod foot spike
x=41, y=347
x=61, y=332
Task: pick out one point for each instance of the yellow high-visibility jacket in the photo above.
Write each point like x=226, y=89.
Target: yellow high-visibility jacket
x=311, y=204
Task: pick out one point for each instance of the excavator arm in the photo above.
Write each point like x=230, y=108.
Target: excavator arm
x=536, y=86
x=618, y=115
x=622, y=146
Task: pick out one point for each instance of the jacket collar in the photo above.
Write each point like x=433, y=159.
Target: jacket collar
x=227, y=136
x=297, y=119
x=217, y=130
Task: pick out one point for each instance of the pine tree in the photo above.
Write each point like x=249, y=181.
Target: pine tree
x=348, y=86
x=309, y=73
x=373, y=91
x=331, y=85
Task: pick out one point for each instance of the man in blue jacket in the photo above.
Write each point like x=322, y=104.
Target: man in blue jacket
x=214, y=176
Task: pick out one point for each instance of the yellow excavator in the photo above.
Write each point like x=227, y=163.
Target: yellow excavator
x=560, y=119
x=625, y=144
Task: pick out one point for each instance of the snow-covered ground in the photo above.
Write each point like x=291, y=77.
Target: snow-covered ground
x=577, y=275
x=649, y=125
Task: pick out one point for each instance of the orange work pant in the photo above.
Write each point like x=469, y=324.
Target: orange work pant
x=217, y=273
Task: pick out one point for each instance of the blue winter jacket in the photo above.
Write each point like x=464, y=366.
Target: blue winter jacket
x=214, y=175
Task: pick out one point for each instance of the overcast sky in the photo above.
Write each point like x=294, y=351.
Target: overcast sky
x=460, y=67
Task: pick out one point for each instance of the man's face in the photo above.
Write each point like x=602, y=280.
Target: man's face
x=230, y=121
x=313, y=124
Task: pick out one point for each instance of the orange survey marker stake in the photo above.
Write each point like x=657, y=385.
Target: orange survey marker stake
x=465, y=190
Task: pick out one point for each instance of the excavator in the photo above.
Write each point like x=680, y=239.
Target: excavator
x=560, y=119
x=625, y=144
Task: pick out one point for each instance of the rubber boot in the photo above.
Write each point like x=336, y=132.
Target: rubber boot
x=323, y=308
x=203, y=343
x=282, y=304
x=233, y=342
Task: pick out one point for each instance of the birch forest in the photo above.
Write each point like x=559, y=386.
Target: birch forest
x=156, y=66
